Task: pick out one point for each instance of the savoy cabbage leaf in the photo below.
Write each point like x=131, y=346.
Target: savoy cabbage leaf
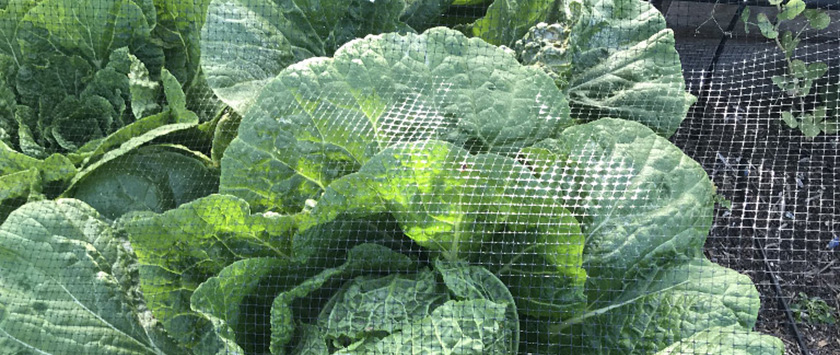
x=181, y=248
x=70, y=68
x=78, y=302
x=324, y=118
x=400, y=312
x=245, y=43
x=612, y=58
x=645, y=209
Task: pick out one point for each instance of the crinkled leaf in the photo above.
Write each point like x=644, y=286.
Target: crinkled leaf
x=508, y=20
x=641, y=201
x=423, y=14
x=665, y=306
x=466, y=282
x=90, y=29
x=74, y=303
x=485, y=208
x=388, y=304
x=361, y=258
x=224, y=299
x=322, y=119
x=245, y=43
x=181, y=248
x=613, y=59
x=178, y=27
x=144, y=91
x=730, y=340
x=173, y=119
x=23, y=178
x=476, y=326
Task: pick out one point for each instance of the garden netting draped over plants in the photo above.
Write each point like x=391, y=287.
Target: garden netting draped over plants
x=419, y=177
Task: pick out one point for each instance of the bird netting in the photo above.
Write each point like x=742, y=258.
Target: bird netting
x=418, y=177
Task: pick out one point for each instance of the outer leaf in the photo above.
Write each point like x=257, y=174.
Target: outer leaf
x=642, y=202
x=180, y=249
x=423, y=14
x=152, y=178
x=613, y=59
x=10, y=17
x=668, y=306
x=508, y=20
x=178, y=26
x=91, y=29
x=23, y=178
x=241, y=53
x=223, y=298
x=61, y=294
x=462, y=206
x=731, y=340
x=322, y=119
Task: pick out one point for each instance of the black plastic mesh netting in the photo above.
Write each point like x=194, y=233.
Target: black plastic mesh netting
x=419, y=177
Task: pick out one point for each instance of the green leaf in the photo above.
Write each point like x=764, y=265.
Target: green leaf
x=776, y=2
x=788, y=118
x=178, y=27
x=23, y=178
x=788, y=43
x=91, y=29
x=388, y=304
x=767, y=29
x=225, y=131
x=478, y=321
x=830, y=126
x=62, y=294
x=223, y=298
x=466, y=282
x=463, y=205
x=726, y=340
x=815, y=71
x=181, y=248
x=325, y=118
x=509, y=20
x=782, y=82
x=636, y=75
x=627, y=232
x=423, y=14
x=818, y=19
x=361, y=258
x=151, y=178
x=144, y=91
x=653, y=312
x=792, y=9
x=809, y=125
x=745, y=18
x=245, y=43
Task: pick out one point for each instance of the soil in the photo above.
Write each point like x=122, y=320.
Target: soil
x=784, y=190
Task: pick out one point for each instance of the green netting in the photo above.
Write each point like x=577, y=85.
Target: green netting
x=412, y=177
